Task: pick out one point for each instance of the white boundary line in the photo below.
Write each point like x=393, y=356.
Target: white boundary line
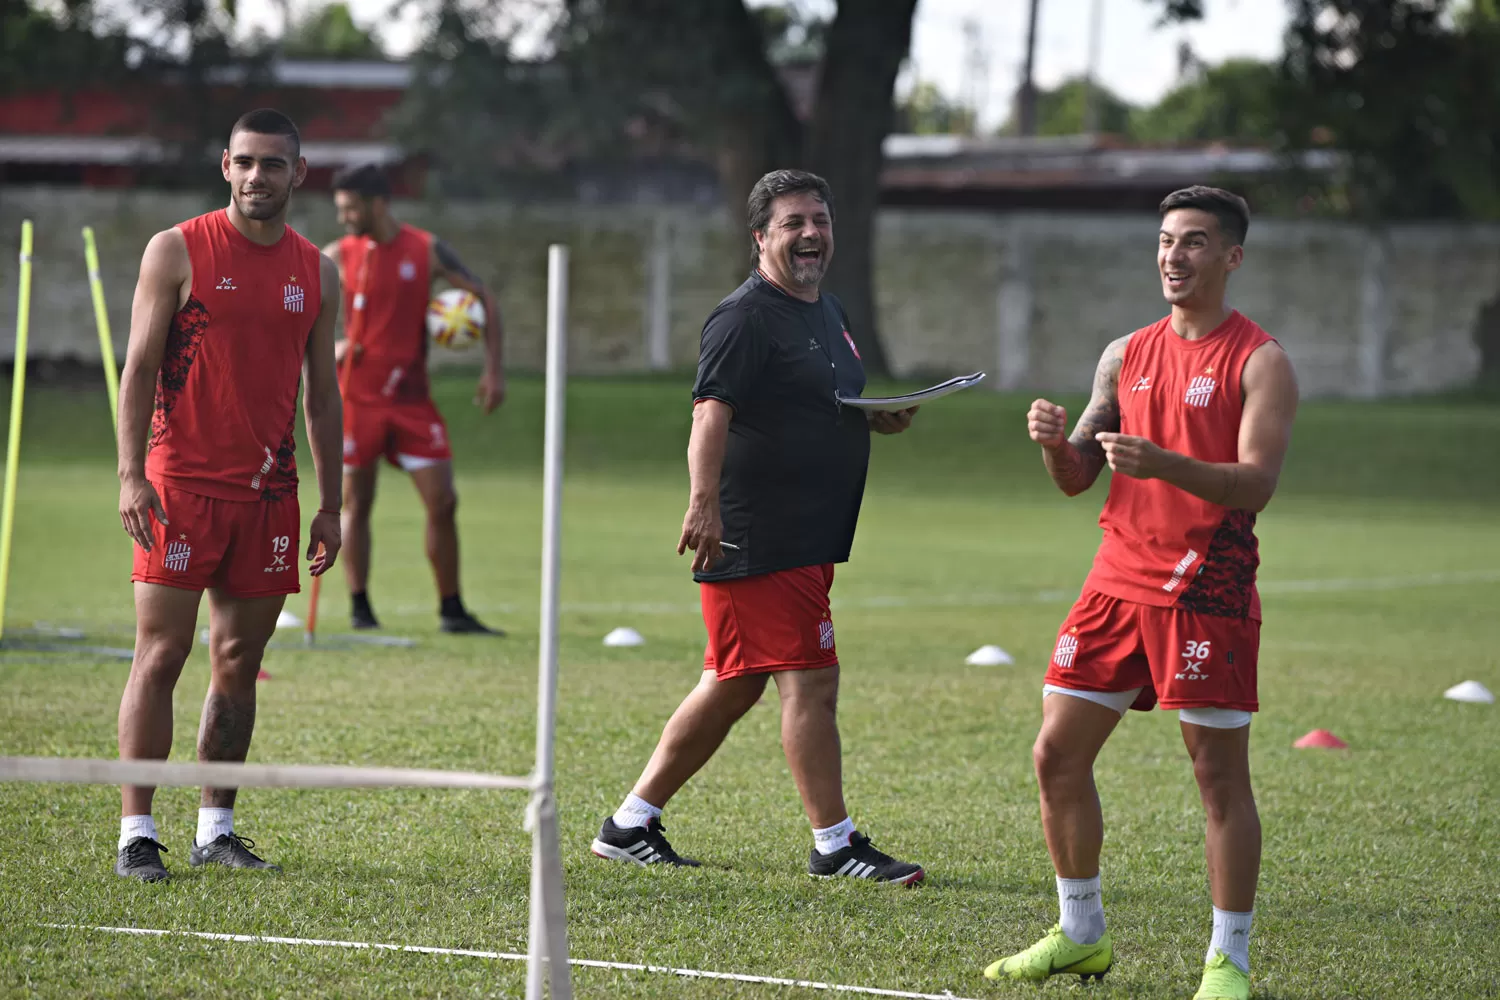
x=1346, y=584
x=1317, y=585
x=505, y=956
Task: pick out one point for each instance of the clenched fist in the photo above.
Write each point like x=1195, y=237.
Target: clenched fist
x=1047, y=423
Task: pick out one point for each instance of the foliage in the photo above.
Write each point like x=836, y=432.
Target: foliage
x=1236, y=101
x=329, y=32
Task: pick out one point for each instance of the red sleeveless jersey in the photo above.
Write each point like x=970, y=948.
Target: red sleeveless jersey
x=386, y=290
x=227, y=391
x=1162, y=545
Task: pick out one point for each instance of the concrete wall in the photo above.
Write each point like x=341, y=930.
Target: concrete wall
x=1030, y=298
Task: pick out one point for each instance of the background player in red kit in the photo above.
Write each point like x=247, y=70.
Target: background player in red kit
x=388, y=270
x=231, y=310
x=1193, y=414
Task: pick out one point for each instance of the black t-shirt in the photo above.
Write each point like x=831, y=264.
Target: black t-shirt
x=795, y=461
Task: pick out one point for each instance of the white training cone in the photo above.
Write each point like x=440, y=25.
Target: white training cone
x=288, y=620
x=989, y=656
x=1470, y=691
x=624, y=637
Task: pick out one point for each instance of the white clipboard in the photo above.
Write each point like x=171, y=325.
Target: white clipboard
x=891, y=403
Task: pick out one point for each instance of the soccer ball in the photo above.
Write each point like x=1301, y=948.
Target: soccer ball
x=455, y=318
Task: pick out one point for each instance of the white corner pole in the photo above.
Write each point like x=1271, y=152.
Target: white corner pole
x=547, y=955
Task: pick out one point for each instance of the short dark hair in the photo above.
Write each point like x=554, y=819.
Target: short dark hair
x=368, y=180
x=774, y=185
x=268, y=121
x=1227, y=207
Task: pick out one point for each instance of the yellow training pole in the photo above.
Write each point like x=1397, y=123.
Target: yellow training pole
x=17, y=394
x=101, y=320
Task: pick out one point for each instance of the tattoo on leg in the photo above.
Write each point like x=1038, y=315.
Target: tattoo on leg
x=224, y=735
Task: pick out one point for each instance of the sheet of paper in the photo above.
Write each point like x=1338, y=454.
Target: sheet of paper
x=891, y=403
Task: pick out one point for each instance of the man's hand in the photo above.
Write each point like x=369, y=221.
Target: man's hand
x=324, y=539
x=491, y=391
x=1135, y=456
x=138, y=504
x=1047, y=424
x=890, y=422
x=702, y=531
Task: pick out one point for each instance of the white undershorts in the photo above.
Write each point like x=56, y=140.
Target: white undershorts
x=1120, y=701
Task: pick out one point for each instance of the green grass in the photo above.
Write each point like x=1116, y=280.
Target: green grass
x=1380, y=867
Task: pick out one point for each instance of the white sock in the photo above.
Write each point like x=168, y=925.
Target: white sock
x=212, y=824
x=833, y=839
x=1082, y=909
x=635, y=812
x=132, y=827
x=1232, y=937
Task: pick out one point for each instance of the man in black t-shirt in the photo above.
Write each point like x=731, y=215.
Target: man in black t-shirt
x=778, y=472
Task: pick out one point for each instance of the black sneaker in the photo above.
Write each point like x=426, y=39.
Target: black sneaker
x=466, y=624
x=361, y=615
x=639, y=845
x=141, y=858
x=861, y=860
x=230, y=850
x=363, y=621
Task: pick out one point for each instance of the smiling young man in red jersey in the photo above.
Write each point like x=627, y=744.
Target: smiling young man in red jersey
x=232, y=310
x=1194, y=415
x=389, y=269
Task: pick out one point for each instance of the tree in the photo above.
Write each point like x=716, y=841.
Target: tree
x=1236, y=100
x=705, y=66
x=1062, y=110
x=329, y=32
x=927, y=111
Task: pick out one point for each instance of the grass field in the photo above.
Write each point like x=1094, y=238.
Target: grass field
x=1381, y=584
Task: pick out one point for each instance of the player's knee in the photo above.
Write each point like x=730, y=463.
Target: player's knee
x=1055, y=762
x=159, y=656
x=443, y=506
x=1222, y=779
x=234, y=657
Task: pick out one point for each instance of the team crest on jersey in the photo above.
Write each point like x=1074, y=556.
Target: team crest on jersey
x=1201, y=389
x=851, y=345
x=292, y=296
x=177, y=555
x=407, y=270
x=1067, y=648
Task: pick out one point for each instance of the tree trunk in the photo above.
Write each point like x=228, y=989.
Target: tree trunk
x=866, y=46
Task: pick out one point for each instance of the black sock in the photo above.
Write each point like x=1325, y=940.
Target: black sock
x=453, y=607
x=361, y=603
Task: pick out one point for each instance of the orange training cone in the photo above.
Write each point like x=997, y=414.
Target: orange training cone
x=1321, y=738
x=262, y=676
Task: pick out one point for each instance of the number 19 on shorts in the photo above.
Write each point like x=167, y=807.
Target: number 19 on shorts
x=281, y=547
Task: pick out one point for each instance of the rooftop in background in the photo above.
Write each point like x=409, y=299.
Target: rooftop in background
x=110, y=137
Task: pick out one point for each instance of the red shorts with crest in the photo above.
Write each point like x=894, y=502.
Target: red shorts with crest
x=1180, y=659
x=244, y=548
x=769, y=622
x=408, y=435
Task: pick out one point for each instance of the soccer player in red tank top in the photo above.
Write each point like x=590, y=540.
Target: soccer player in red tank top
x=1194, y=415
x=231, y=310
x=388, y=270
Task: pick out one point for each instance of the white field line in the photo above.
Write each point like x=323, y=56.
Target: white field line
x=1324, y=585
x=505, y=956
x=1330, y=585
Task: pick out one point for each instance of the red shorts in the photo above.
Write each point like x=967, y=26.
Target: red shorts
x=245, y=548
x=408, y=435
x=1181, y=659
x=769, y=622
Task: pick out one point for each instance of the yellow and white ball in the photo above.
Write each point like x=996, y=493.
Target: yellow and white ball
x=455, y=318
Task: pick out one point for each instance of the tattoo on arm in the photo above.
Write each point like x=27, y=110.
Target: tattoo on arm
x=1080, y=465
x=449, y=261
